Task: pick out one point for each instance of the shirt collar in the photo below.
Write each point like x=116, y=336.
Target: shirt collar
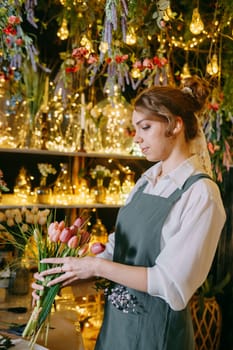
x=179, y=175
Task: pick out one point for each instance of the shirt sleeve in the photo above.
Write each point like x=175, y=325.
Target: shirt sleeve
x=185, y=260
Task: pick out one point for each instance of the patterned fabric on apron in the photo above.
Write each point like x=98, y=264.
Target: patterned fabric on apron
x=135, y=320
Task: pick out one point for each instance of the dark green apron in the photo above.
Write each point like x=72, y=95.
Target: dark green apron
x=135, y=320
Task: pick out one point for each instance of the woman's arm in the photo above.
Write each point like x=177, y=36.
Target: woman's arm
x=82, y=268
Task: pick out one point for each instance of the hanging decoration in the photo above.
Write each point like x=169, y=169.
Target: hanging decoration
x=63, y=32
x=212, y=67
x=196, y=25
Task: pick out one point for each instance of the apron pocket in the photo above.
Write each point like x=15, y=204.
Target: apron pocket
x=119, y=330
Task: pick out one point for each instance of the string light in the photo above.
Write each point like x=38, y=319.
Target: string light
x=85, y=42
x=63, y=32
x=185, y=71
x=131, y=37
x=212, y=67
x=196, y=25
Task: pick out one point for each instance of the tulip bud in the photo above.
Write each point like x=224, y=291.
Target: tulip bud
x=54, y=237
x=85, y=237
x=73, y=242
x=83, y=250
x=97, y=248
x=61, y=225
x=73, y=230
x=79, y=222
x=65, y=235
x=52, y=227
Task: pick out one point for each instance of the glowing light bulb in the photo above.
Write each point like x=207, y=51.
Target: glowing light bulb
x=86, y=43
x=136, y=74
x=131, y=37
x=196, y=25
x=212, y=67
x=185, y=71
x=63, y=32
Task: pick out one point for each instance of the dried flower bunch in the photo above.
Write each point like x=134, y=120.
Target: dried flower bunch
x=17, y=225
x=16, y=44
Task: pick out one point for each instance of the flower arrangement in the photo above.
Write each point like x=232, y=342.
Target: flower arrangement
x=99, y=172
x=45, y=169
x=59, y=241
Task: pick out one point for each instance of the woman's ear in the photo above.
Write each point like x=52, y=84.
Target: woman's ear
x=179, y=126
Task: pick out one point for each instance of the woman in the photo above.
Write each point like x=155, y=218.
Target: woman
x=167, y=233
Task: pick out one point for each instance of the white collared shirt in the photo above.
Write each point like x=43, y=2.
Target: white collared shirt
x=189, y=236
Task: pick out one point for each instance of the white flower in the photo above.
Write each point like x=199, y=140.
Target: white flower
x=46, y=169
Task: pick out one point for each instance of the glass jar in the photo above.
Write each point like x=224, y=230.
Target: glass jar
x=115, y=125
x=62, y=188
x=114, y=188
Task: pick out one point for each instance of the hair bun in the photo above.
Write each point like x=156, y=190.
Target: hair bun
x=198, y=88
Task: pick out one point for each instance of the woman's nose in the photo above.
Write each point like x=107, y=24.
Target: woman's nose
x=137, y=138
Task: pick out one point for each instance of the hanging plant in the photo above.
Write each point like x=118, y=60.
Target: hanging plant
x=15, y=43
x=218, y=128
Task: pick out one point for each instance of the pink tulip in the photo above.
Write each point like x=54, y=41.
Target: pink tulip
x=83, y=250
x=79, y=222
x=73, y=230
x=54, y=236
x=65, y=235
x=97, y=248
x=53, y=226
x=73, y=242
x=54, y=232
x=61, y=225
x=85, y=237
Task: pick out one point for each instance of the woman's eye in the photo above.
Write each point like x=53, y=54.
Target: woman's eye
x=145, y=127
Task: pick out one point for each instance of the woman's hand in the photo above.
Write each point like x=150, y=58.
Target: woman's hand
x=36, y=287
x=70, y=269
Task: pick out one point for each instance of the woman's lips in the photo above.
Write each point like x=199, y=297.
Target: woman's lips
x=144, y=149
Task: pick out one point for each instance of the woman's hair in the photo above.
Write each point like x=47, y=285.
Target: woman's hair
x=168, y=102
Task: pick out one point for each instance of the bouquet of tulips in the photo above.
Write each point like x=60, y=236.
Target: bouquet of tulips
x=60, y=241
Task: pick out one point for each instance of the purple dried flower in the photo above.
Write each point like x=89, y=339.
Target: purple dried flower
x=123, y=27
x=114, y=16
x=125, y=7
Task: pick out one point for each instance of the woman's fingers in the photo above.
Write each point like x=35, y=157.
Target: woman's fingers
x=53, y=260
x=38, y=277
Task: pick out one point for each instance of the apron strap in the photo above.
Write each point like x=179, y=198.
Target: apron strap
x=189, y=182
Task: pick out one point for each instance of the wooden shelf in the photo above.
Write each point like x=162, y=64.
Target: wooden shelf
x=71, y=154
x=10, y=201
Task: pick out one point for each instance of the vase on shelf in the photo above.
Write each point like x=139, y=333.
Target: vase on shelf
x=114, y=188
x=63, y=189
x=93, y=136
x=20, y=275
x=12, y=116
x=43, y=192
x=99, y=232
x=100, y=191
x=22, y=188
x=19, y=280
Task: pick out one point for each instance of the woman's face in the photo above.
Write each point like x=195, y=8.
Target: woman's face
x=150, y=134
